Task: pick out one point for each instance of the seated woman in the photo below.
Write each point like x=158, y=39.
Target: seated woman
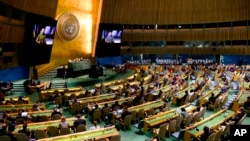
x=63, y=123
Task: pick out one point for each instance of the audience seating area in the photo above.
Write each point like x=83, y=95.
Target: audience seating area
x=164, y=101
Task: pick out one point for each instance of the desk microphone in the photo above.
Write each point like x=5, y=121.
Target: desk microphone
x=197, y=129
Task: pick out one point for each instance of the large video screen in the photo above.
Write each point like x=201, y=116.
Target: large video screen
x=38, y=40
x=109, y=40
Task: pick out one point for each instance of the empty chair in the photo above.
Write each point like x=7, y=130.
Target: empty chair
x=140, y=114
x=76, y=108
x=97, y=114
x=150, y=112
x=5, y=138
x=218, y=135
x=127, y=121
x=160, y=132
x=64, y=131
x=58, y=100
x=40, y=134
x=81, y=128
x=21, y=137
x=56, y=117
x=211, y=137
x=188, y=119
x=52, y=131
x=133, y=113
x=115, y=138
x=203, y=111
x=105, y=113
x=178, y=122
x=171, y=127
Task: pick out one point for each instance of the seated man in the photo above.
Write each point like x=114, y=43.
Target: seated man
x=31, y=86
x=238, y=116
x=125, y=113
x=95, y=126
x=6, y=87
x=79, y=121
x=206, y=134
x=246, y=104
x=25, y=130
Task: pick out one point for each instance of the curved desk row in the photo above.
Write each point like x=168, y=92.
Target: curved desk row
x=98, y=133
x=213, y=122
x=163, y=117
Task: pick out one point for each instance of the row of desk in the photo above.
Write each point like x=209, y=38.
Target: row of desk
x=82, y=136
x=213, y=122
x=10, y=108
x=15, y=99
x=163, y=117
x=46, y=113
x=204, y=98
x=94, y=99
x=240, y=99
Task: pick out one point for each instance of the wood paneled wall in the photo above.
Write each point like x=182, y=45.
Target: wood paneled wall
x=174, y=11
x=243, y=50
x=175, y=35
x=41, y=7
x=12, y=30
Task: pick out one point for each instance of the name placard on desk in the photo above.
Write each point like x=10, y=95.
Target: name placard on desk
x=238, y=132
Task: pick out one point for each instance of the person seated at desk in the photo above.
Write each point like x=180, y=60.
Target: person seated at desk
x=212, y=84
x=212, y=99
x=183, y=99
x=195, y=112
x=79, y=121
x=29, y=86
x=115, y=106
x=206, y=133
x=95, y=126
x=56, y=111
x=159, y=94
x=246, y=104
x=8, y=102
x=7, y=133
x=6, y=87
x=25, y=130
x=136, y=100
x=21, y=100
x=23, y=114
x=125, y=113
x=63, y=123
x=239, y=114
x=184, y=113
x=164, y=108
x=93, y=109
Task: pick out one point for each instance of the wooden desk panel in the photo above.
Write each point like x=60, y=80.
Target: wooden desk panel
x=98, y=133
x=9, y=108
x=44, y=125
